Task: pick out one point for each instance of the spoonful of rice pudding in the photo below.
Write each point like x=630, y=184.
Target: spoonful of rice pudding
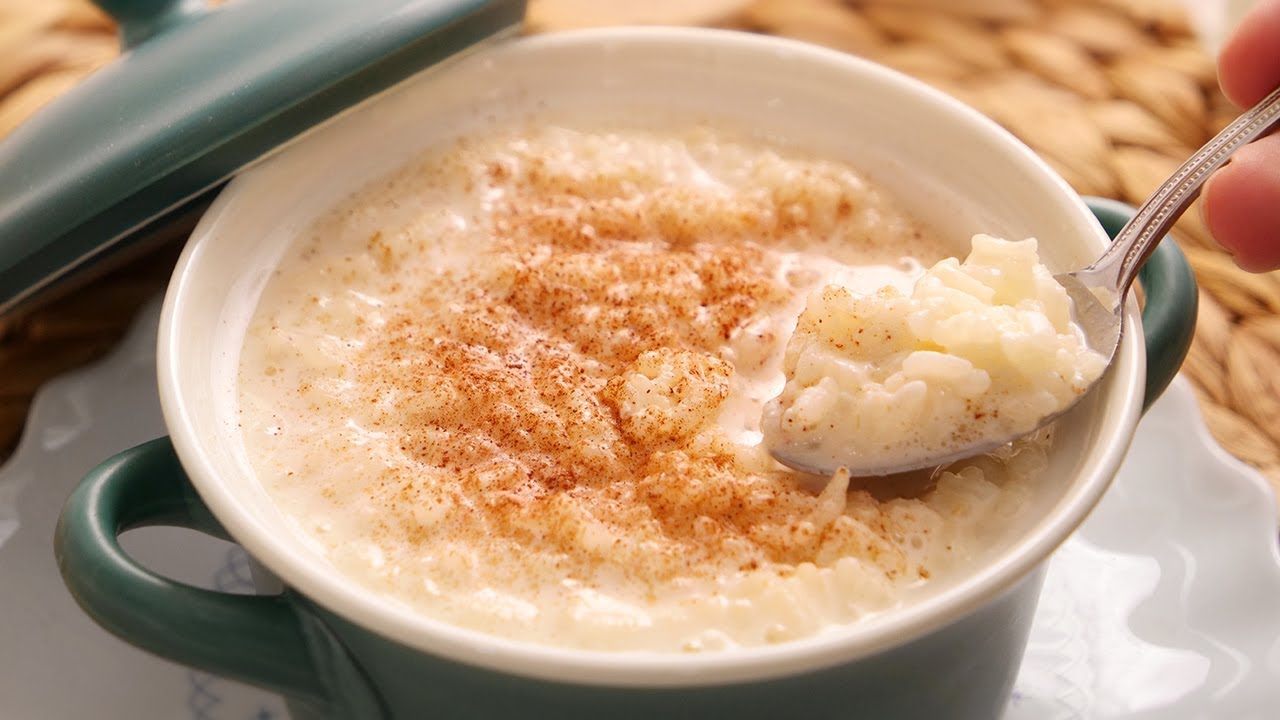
x=980, y=353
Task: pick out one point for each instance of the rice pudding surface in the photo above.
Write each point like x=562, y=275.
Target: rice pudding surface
x=517, y=385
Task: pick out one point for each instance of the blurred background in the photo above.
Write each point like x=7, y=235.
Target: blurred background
x=1114, y=94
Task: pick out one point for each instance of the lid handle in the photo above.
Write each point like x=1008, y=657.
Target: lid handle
x=141, y=19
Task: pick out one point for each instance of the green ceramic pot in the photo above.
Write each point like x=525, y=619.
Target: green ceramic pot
x=137, y=150
x=341, y=651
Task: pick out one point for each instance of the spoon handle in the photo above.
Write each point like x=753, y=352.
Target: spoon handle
x=1119, y=265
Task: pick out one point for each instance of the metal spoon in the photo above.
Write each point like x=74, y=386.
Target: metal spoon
x=1098, y=291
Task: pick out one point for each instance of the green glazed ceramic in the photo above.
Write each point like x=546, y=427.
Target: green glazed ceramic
x=323, y=663
x=199, y=94
x=341, y=651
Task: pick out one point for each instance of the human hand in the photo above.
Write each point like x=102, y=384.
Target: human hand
x=1241, y=202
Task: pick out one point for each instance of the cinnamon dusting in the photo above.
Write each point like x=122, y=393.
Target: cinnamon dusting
x=516, y=384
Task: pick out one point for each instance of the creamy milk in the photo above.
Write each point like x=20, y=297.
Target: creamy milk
x=517, y=387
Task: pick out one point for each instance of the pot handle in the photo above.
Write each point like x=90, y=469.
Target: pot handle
x=1169, y=315
x=140, y=19
x=260, y=639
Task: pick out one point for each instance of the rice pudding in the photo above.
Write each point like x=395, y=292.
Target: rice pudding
x=978, y=352
x=517, y=386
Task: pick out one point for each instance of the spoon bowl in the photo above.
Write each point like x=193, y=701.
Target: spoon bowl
x=1097, y=292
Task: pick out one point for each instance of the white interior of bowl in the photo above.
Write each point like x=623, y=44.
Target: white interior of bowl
x=951, y=166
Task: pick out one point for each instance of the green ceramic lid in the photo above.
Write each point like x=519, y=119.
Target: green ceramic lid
x=199, y=93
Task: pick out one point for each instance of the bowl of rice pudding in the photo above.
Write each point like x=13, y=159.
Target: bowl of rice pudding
x=476, y=374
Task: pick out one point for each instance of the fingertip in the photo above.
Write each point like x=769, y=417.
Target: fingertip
x=1241, y=206
x=1249, y=64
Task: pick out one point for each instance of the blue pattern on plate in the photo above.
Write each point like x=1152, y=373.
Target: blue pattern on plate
x=206, y=690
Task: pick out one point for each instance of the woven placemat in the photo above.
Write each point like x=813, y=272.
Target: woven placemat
x=1113, y=93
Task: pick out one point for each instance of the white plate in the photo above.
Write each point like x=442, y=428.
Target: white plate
x=1166, y=604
